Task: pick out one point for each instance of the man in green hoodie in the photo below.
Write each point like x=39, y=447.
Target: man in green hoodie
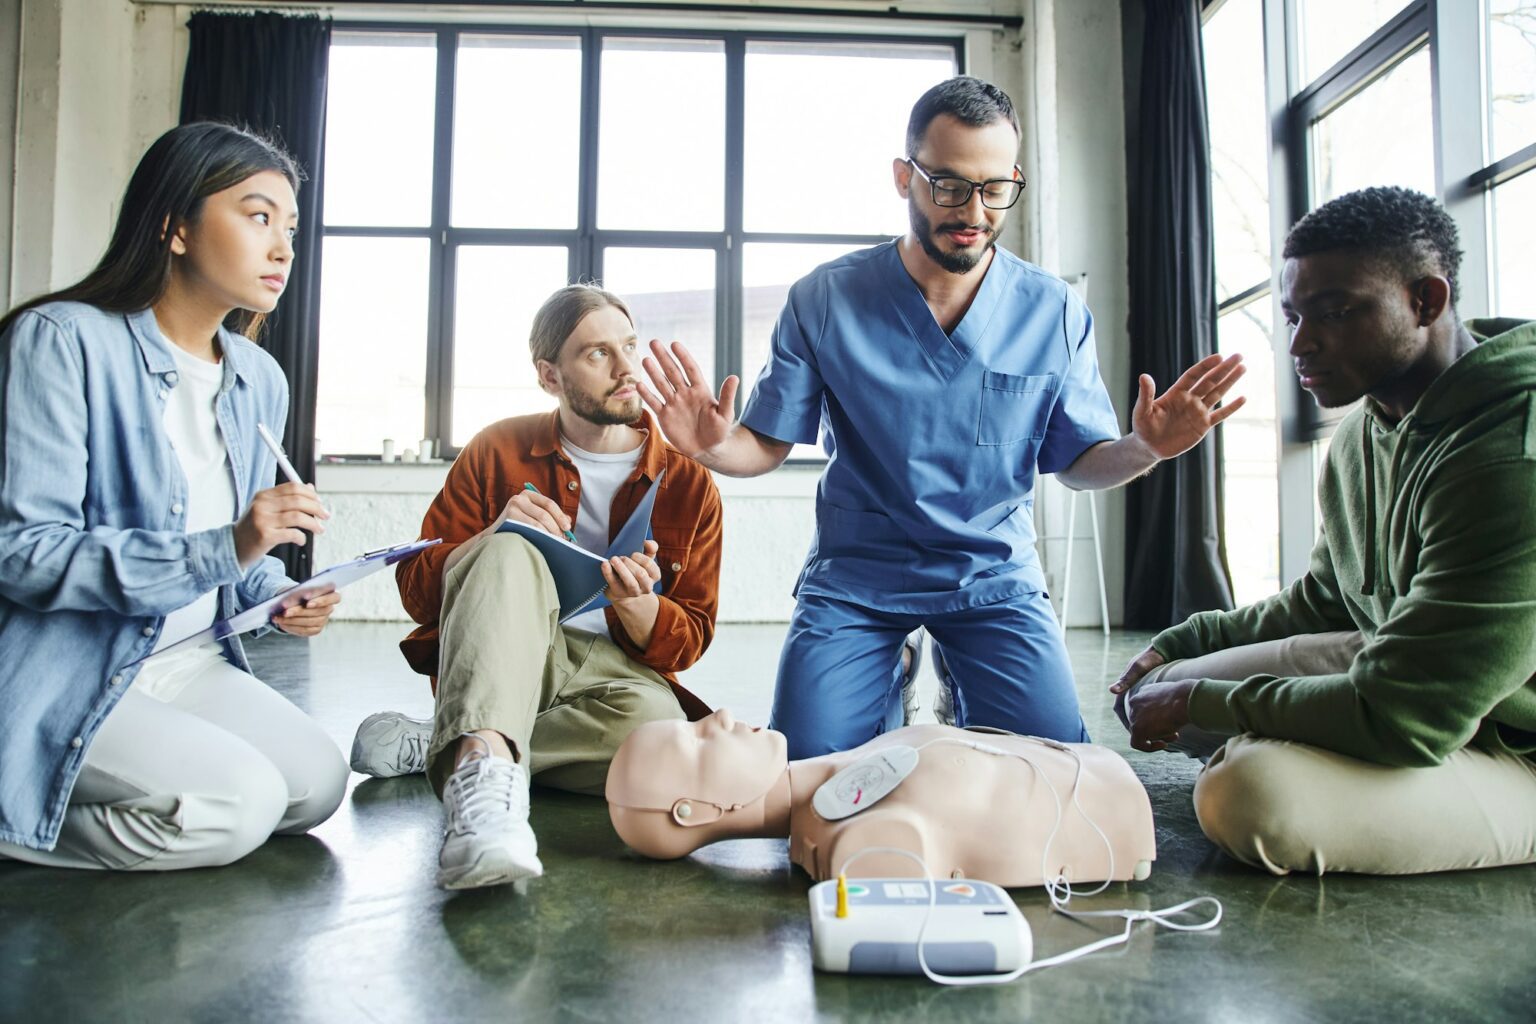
x=1379, y=714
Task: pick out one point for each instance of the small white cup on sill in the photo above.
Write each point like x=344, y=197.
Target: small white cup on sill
x=387, y=450
x=425, y=449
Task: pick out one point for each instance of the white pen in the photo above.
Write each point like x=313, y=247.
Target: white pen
x=277, y=450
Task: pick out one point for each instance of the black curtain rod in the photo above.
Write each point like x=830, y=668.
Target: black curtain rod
x=889, y=14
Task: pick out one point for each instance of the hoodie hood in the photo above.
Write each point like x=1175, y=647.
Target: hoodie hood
x=1501, y=368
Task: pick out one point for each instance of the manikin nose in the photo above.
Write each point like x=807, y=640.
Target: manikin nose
x=726, y=721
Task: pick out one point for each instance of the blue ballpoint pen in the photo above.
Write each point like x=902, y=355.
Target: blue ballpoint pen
x=568, y=534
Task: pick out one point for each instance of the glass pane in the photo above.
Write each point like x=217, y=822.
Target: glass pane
x=767, y=271
x=1329, y=29
x=1239, y=125
x=1250, y=456
x=516, y=132
x=1514, y=258
x=1380, y=136
x=372, y=377
x=1511, y=75
x=791, y=137
x=380, y=81
x=671, y=294
x=662, y=173
x=499, y=288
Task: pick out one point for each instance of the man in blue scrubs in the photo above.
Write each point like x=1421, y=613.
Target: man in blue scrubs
x=947, y=372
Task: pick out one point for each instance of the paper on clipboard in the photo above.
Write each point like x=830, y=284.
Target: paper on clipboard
x=322, y=582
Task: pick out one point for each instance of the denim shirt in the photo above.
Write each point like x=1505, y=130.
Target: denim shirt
x=93, y=552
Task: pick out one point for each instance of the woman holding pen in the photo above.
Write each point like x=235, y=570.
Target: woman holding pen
x=136, y=509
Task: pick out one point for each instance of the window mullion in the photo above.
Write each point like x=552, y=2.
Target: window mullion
x=729, y=326
x=439, y=403
x=585, y=257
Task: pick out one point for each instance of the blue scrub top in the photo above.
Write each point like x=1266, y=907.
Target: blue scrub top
x=926, y=505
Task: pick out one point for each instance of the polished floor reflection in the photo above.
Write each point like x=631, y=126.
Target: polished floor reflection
x=345, y=924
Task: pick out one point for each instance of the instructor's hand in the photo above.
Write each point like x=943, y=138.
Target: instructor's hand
x=278, y=515
x=693, y=419
x=1177, y=420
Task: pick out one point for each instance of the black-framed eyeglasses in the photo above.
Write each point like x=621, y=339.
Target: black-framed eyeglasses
x=952, y=190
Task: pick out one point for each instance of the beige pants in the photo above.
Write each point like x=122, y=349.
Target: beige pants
x=565, y=698
x=1288, y=806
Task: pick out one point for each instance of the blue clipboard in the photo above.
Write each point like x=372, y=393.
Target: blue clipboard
x=578, y=572
x=322, y=582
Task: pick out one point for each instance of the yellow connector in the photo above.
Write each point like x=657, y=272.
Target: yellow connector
x=842, y=895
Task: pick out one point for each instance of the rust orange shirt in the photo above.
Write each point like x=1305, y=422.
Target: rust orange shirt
x=686, y=523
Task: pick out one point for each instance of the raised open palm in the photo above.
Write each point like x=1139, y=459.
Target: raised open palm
x=1176, y=421
x=690, y=414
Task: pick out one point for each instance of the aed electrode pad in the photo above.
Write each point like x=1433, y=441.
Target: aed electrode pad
x=864, y=782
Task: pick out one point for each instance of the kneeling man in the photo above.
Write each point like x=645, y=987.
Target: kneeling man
x=1383, y=707
x=518, y=694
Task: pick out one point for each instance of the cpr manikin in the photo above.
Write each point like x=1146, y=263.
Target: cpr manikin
x=975, y=804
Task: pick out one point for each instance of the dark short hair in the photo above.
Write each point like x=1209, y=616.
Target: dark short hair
x=968, y=100
x=562, y=313
x=1408, y=232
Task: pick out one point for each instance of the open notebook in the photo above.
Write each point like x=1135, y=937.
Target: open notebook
x=578, y=572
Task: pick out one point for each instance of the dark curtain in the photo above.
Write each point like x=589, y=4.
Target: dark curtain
x=1175, y=558
x=267, y=72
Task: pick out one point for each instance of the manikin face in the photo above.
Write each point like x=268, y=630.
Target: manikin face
x=957, y=238
x=1353, y=323
x=239, y=250
x=598, y=369
x=716, y=760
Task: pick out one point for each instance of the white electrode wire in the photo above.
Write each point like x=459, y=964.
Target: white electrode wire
x=1058, y=887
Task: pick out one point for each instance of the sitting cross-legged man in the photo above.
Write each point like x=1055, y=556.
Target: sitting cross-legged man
x=518, y=693
x=1382, y=709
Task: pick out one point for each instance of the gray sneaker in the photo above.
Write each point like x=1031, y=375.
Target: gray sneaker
x=487, y=839
x=912, y=654
x=388, y=744
x=944, y=697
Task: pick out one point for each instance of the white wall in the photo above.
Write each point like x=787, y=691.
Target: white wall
x=10, y=74
x=100, y=79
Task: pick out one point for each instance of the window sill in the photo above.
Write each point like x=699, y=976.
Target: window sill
x=369, y=476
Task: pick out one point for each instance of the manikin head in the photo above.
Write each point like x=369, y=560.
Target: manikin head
x=676, y=786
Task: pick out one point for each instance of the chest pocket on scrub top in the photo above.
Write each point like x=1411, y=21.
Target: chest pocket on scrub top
x=1014, y=408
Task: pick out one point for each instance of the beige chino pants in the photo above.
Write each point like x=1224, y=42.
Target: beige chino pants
x=565, y=698
x=1287, y=806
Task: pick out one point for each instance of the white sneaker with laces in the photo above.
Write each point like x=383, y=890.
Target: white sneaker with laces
x=487, y=839
x=388, y=744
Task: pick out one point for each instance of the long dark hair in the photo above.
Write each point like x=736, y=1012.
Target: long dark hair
x=184, y=167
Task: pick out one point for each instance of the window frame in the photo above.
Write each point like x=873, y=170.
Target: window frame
x=1465, y=177
x=586, y=242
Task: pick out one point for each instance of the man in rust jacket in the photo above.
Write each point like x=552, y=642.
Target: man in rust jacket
x=519, y=694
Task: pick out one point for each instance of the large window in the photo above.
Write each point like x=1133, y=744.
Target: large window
x=1308, y=100
x=697, y=175
x=1233, y=40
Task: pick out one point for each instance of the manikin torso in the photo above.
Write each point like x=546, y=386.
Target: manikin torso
x=676, y=786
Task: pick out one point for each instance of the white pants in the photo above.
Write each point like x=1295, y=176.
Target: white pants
x=195, y=767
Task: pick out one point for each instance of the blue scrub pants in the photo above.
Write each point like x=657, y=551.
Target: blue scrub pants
x=836, y=687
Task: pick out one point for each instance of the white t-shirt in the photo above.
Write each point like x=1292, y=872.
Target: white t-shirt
x=210, y=502
x=601, y=477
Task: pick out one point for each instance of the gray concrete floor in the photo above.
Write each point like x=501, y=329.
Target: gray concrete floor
x=345, y=924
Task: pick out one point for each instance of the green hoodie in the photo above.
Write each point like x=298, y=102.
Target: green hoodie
x=1428, y=548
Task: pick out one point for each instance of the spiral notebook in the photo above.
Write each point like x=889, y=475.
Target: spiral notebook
x=578, y=572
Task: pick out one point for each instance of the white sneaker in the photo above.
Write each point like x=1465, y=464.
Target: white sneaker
x=389, y=744
x=487, y=839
